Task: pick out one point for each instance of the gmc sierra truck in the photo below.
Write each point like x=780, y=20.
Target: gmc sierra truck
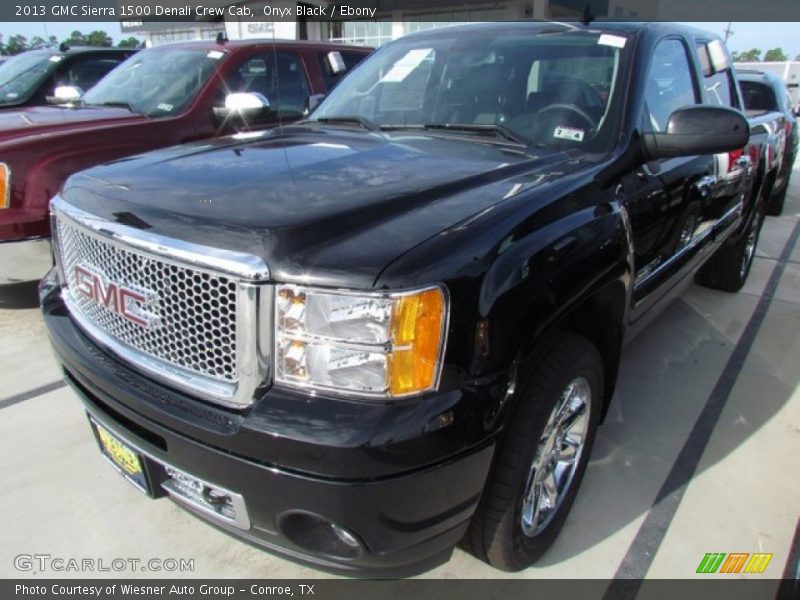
x=773, y=127
x=365, y=337
x=159, y=97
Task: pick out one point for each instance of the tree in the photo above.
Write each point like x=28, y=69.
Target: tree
x=98, y=38
x=776, y=54
x=37, y=42
x=16, y=44
x=76, y=38
x=131, y=42
x=753, y=55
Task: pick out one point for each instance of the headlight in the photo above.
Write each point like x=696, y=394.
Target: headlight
x=5, y=186
x=382, y=345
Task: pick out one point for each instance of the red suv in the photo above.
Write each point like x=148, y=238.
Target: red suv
x=159, y=97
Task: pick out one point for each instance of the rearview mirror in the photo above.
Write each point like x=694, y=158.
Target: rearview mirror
x=242, y=105
x=693, y=130
x=65, y=94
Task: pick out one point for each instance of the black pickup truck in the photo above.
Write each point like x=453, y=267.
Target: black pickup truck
x=773, y=132
x=362, y=338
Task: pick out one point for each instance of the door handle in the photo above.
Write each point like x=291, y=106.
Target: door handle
x=704, y=184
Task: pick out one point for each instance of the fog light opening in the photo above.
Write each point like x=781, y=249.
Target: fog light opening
x=319, y=535
x=344, y=535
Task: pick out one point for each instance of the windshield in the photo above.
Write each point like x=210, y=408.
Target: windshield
x=20, y=75
x=157, y=82
x=551, y=87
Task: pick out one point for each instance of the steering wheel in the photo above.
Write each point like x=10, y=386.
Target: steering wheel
x=572, y=108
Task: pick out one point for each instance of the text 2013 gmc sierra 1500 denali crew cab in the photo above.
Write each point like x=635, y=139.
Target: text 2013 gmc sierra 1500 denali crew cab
x=162, y=96
x=362, y=338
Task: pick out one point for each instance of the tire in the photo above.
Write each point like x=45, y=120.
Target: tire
x=778, y=198
x=506, y=530
x=728, y=269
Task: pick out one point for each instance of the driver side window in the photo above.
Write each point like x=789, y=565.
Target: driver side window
x=86, y=71
x=280, y=77
x=669, y=84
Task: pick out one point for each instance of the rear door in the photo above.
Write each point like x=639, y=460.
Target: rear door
x=351, y=58
x=731, y=169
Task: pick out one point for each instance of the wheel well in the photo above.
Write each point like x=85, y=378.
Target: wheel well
x=599, y=318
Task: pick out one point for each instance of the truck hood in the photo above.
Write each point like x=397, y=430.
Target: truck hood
x=45, y=119
x=323, y=206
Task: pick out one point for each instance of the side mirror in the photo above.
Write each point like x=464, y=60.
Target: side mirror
x=65, y=94
x=314, y=100
x=698, y=129
x=242, y=105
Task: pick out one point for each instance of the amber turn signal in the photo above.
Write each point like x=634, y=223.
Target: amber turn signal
x=5, y=186
x=417, y=330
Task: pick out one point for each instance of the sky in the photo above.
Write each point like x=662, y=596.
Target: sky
x=60, y=30
x=745, y=35
x=764, y=36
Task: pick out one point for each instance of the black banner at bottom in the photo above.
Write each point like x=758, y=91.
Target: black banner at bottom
x=417, y=589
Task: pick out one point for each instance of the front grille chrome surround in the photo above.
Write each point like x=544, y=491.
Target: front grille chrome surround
x=199, y=327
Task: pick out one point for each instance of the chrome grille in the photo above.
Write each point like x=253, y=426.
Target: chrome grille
x=195, y=312
x=189, y=314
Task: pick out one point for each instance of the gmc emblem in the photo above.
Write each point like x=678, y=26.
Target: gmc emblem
x=123, y=301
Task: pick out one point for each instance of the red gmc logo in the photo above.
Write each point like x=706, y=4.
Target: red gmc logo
x=123, y=301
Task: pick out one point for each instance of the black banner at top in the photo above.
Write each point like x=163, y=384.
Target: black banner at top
x=137, y=11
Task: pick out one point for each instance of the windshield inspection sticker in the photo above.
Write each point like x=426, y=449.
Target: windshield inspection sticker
x=607, y=39
x=215, y=54
x=164, y=106
x=405, y=65
x=568, y=133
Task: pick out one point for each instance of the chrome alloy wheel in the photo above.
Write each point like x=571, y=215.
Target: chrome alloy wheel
x=557, y=457
x=750, y=246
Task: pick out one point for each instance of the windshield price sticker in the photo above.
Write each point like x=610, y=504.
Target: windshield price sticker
x=405, y=65
x=615, y=41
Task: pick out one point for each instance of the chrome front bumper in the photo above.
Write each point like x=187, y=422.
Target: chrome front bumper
x=24, y=260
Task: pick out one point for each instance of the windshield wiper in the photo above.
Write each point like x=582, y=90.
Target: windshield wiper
x=355, y=120
x=113, y=103
x=480, y=128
